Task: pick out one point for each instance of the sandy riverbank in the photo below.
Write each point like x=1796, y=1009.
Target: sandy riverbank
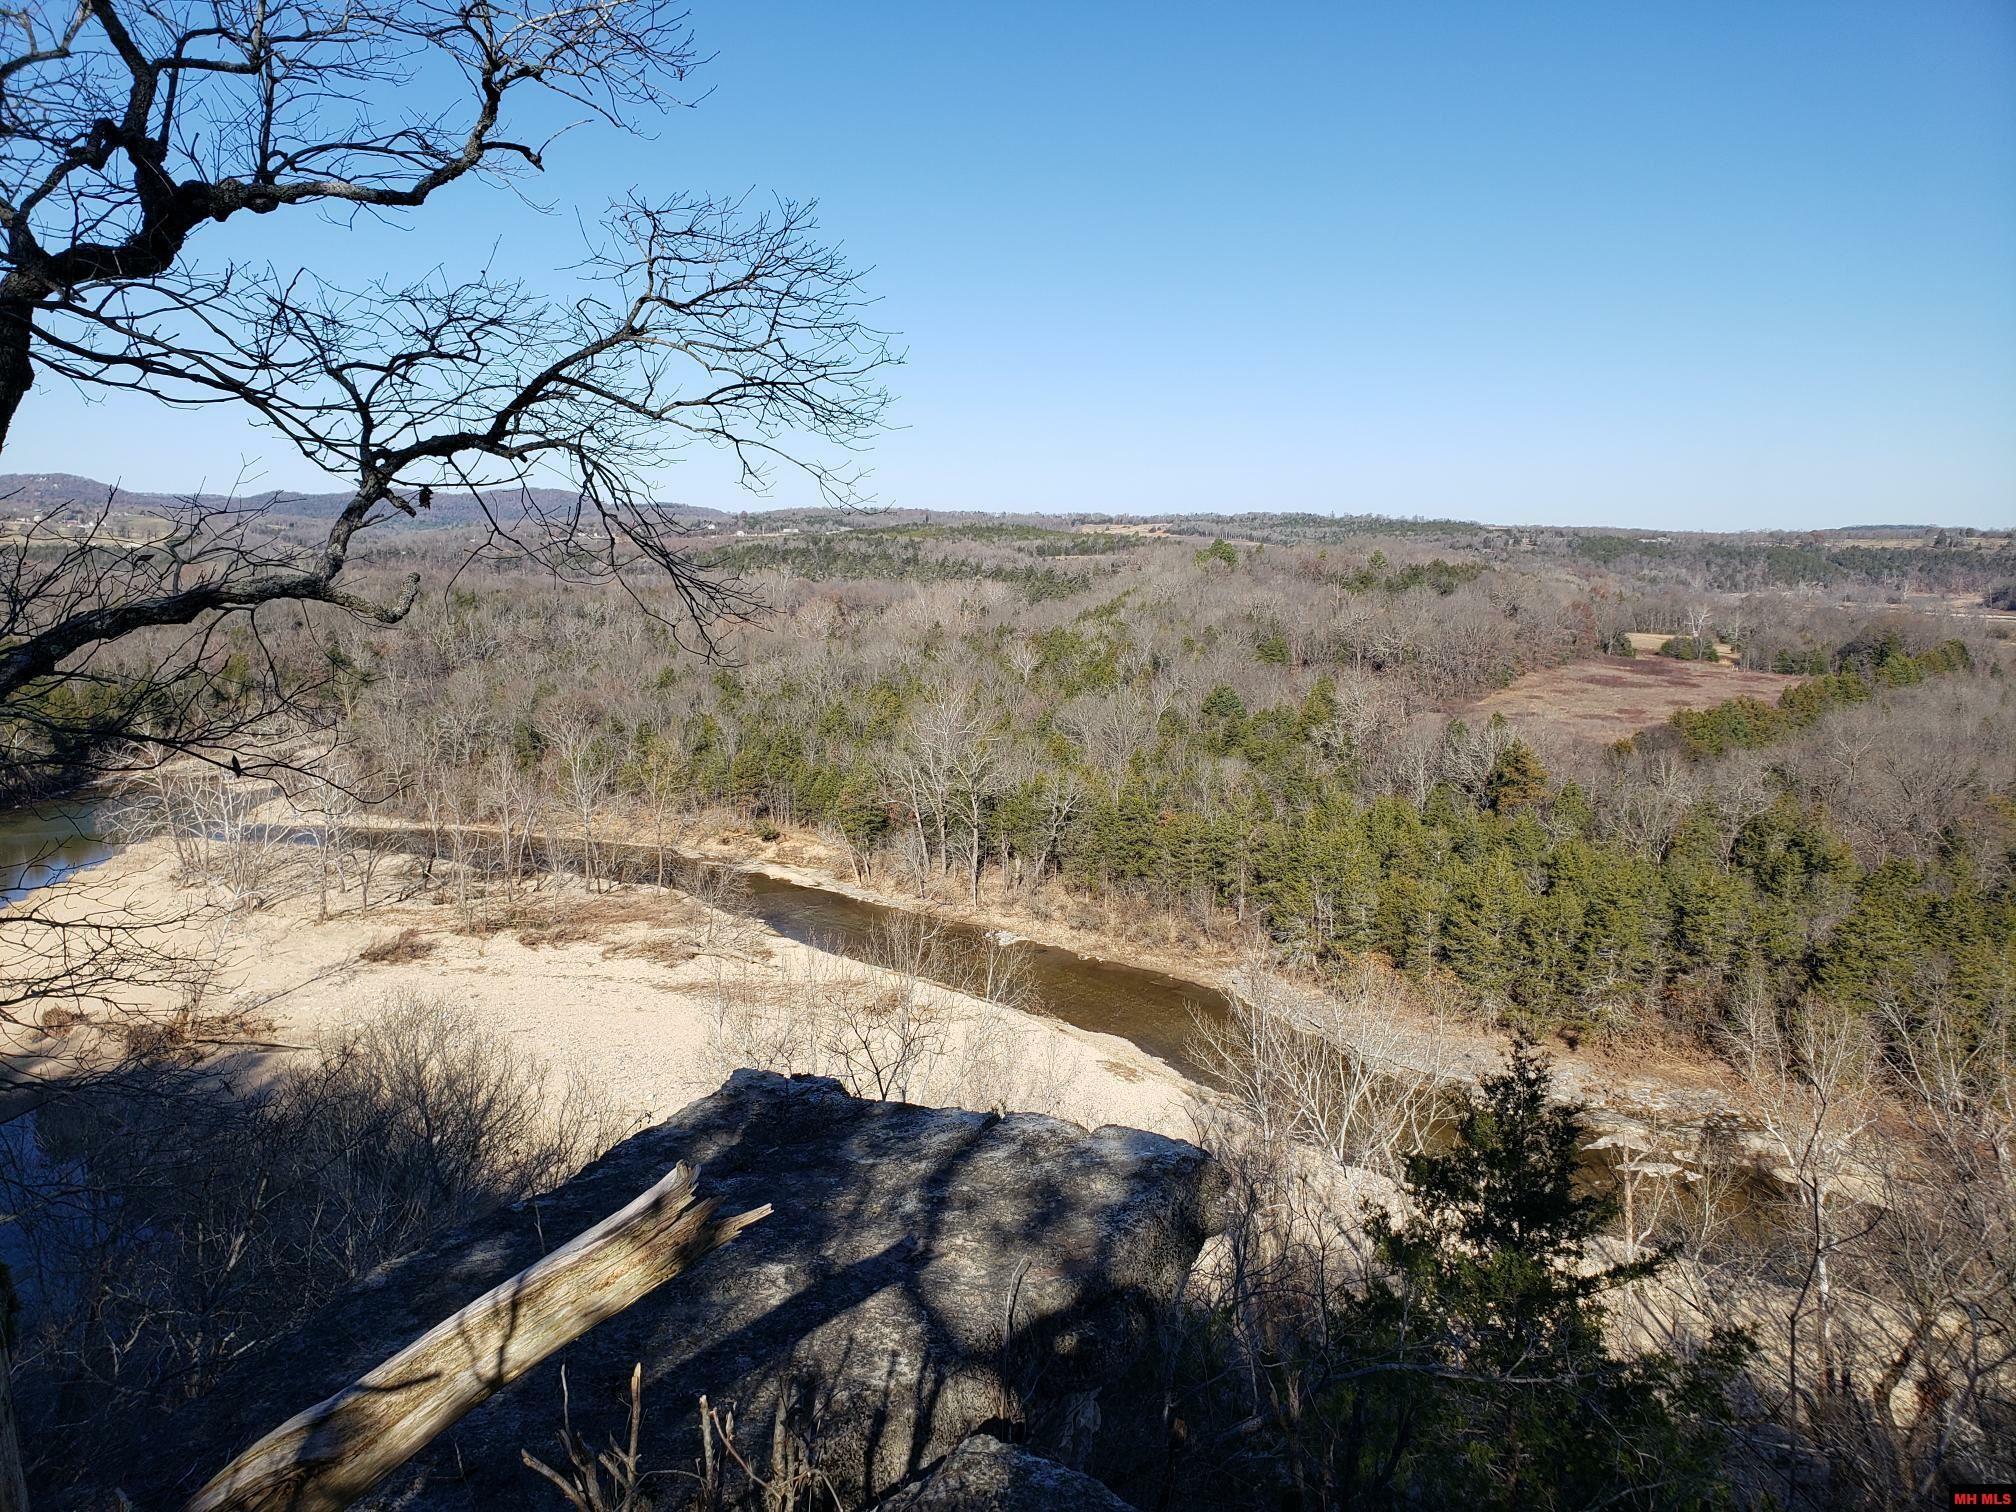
x=1647, y=1080
x=654, y=997
x=647, y=994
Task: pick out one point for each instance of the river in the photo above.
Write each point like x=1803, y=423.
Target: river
x=1151, y=1009
x=43, y=843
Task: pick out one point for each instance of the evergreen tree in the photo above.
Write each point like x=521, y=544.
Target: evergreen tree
x=1571, y=810
x=1878, y=954
x=1517, y=780
x=1481, y=924
x=1709, y=904
x=1488, y=1380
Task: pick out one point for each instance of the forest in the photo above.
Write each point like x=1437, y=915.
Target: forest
x=1264, y=738
x=1275, y=756
x=1206, y=980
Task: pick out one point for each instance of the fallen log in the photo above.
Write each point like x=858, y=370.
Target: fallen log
x=326, y=1457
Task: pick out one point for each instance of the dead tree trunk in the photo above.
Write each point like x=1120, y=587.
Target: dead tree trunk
x=338, y=1449
x=13, y=1484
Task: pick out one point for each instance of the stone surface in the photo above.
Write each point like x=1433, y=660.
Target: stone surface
x=985, y=1475
x=926, y=1272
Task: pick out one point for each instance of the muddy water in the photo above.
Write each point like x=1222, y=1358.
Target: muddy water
x=1154, y=1011
x=42, y=844
x=1150, y=1009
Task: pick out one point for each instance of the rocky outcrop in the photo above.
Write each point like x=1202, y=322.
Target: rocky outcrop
x=985, y=1475
x=925, y=1273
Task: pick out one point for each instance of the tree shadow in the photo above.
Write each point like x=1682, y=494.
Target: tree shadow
x=925, y=1272
x=166, y=1220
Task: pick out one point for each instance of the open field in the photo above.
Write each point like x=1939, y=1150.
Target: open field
x=1611, y=698
x=1926, y=540
x=1152, y=529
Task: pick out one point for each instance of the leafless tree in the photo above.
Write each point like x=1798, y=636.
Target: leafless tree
x=663, y=787
x=1333, y=1072
x=1810, y=1084
x=1699, y=619
x=1111, y=731
x=977, y=780
x=1057, y=800
x=132, y=131
x=943, y=770
x=584, y=771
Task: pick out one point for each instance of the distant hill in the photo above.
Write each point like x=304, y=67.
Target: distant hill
x=35, y=493
x=38, y=493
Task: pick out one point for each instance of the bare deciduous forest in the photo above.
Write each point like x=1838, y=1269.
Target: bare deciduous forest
x=1265, y=754
x=1572, y=970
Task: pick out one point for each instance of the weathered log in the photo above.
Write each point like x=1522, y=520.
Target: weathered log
x=329, y=1455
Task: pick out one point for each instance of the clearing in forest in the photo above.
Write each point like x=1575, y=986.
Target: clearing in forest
x=1607, y=699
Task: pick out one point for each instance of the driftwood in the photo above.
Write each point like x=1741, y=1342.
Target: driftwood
x=338, y=1449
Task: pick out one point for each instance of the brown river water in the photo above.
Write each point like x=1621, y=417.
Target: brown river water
x=44, y=843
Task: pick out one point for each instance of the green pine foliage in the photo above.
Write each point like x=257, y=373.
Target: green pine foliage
x=1750, y=723
x=1442, y=576
x=1510, y=891
x=1220, y=554
x=1471, y=1367
x=1517, y=780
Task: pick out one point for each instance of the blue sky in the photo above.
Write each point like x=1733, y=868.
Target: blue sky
x=1709, y=265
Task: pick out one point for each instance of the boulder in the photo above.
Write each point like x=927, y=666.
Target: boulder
x=925, y=1272
x=985, y=1475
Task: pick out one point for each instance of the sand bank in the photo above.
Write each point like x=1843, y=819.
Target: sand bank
x=646, y=993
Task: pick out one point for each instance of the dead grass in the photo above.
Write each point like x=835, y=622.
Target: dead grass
x=575, y=919
x=1648, y=642
x=397, y=949
x=1608, y=699
x=663, y=950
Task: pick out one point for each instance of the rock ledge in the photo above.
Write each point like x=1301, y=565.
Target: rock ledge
x=926, y=1272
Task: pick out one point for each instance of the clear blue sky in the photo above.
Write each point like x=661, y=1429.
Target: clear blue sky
x=1705, y=264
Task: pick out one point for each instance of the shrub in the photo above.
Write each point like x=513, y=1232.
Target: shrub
x=397, y=949
x=166, y=1225
x=1221, y=555
x=1458, y=1358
